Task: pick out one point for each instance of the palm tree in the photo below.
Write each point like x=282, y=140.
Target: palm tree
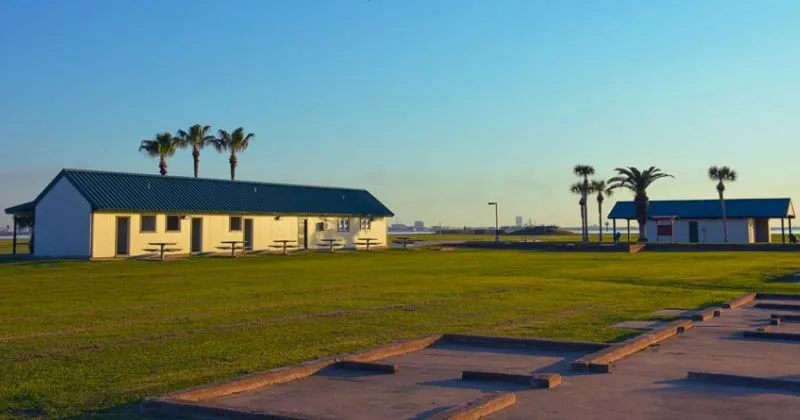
x=162, y=146
x=577, y=188
x=236, y=142
x=602, y=190
x=637, y=181
x=584, y=171
x=196, y=138
x=721, y=175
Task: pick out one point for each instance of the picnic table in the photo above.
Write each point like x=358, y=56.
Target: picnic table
x=329, y=243
x=405, y=240
x=233, y=246
x=283, y=243
x=367, y=242
x=162, y=248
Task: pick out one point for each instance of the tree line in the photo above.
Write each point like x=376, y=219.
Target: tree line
x=637, y=181
x=164, y=145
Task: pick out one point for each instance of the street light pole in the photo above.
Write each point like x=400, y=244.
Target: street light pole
x=496, y=223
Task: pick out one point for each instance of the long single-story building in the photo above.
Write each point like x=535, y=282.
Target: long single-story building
x=697, y=221
x=96, y=214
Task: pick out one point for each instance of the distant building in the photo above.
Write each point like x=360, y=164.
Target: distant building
x=97, y=214
x=701, y=220
x=519, y=221
x=419, y=226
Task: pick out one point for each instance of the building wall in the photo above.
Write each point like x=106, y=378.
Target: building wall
x=709, y=230
x=62, y=225
x=266, y=229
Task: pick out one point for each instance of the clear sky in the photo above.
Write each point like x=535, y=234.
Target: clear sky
x=435, y=106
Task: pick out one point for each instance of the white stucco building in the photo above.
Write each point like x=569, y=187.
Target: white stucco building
x=95, y=214
x=700, y=221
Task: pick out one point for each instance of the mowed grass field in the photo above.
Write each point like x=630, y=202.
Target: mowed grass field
x=96, y=337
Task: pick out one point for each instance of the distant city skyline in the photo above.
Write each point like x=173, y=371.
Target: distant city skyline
x=436, y=107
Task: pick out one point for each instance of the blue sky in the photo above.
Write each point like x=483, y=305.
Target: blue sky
x=435, y=106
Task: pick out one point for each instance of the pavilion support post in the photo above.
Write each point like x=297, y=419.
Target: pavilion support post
x=14, y=238
x=789, y=221
x=614, y=232
x=629, y=230
x=783, y=232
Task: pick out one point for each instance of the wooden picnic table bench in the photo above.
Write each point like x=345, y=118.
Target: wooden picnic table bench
x=162, y=248
x=232, y=245
x=284, y=244
x=367, y=242
x=329, y=243
x=405, y=240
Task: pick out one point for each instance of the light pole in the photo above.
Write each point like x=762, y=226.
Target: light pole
x=496, y=224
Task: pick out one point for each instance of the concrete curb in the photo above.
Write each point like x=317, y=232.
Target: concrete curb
x=512, y=342
x=740, y=380
x=291, y=373
x=248, y=382
x=780, y=306
x=769, y=335
x=785, y=318
x=537, y=380
x=777, y=296
x=601, y=361
x=391, y=350
x=707, y=314
x=366, y=366
x=740, y=301
x=479, y=408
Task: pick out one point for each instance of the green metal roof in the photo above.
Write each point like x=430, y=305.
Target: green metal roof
x=735, y=208
x=22, y=208
x=114, y=191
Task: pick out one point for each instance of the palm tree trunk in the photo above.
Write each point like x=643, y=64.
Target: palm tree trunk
x=233, y=161
x=724, y=217
x=583, y=223
x=600, y=219
x=196, y=156
x=641, y=202
x=162, y=166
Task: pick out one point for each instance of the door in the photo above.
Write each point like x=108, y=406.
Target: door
x=302, y=234
x=123, y=235
x=197, y=234
x=694, y=237
x=248, y=233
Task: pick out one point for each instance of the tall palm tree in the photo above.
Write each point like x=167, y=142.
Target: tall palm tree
x=235, y=142
x=584, y=171
x=602, y=190
x=196, y=138
x=722, y=174
x=638, y=181
x=162, y=146
x=577, y=188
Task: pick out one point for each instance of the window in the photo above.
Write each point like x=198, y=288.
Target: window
x=366, y=223
x=173, y=223
x=235, y=224
x=148, y=223
x=320, y=226
x=344, y=225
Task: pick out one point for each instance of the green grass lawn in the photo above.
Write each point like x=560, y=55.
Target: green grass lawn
x=6, y=245
x=79, y=337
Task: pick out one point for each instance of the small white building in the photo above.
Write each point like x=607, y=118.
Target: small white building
x=700, y=221
x=95, y=214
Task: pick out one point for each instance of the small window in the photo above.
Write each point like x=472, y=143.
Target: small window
x=235, y=224
x=173, y=223
x=366, y=223
x=344, y=225
x=320, y=226
x=148, y=223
